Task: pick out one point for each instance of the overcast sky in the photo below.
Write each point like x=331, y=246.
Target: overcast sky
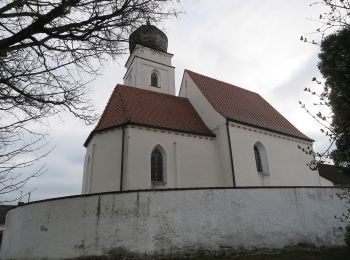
x=253, y=44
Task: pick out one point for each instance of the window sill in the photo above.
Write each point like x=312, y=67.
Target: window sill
x=264, y=174
x=155, y=86
x=158, y=184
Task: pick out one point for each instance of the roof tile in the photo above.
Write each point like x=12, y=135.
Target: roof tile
x=244, y=106
x=144, y=107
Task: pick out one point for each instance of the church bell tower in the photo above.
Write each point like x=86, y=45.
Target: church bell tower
x=149, y=64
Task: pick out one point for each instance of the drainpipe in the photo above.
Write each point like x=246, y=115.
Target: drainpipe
x=230, y=148
x=122, y=160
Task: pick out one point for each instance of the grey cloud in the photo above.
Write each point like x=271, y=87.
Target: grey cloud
x=293, y=87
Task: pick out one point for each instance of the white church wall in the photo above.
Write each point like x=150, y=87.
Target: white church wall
x=224, y=154
x=150, y=54
x=213, y=120
x=142, y=63
x=86, y=173
x=104, y=150
x=191, y=160
x=286, y=162
x=209, y=115
x=325, y=182
x=174, y=222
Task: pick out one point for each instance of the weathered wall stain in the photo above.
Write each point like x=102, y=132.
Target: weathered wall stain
x=43, y=228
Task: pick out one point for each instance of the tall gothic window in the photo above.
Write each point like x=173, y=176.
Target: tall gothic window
x=258, y=159
x=261, y=161
x=154, y=79
x=157, y=166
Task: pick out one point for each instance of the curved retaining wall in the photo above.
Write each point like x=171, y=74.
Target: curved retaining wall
x=174, y=222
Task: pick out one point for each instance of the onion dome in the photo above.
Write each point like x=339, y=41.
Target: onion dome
x=148, y=36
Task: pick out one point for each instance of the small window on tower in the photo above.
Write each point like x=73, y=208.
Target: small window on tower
x=154, y=80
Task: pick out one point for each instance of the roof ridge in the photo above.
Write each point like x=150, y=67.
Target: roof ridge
x=221, y=81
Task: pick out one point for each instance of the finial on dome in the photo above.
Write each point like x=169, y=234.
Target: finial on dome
x=149, y=36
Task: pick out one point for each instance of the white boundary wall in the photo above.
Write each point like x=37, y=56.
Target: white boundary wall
x=174, y=222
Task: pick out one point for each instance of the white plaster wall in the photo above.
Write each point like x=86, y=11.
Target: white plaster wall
x=287, y=163
x=191, y=161
x=224, y=154
x=325, y=182
x=105, y=162
x=142, y=62
x=214, y=121
x=150, y=54
x=205, y=110
x=174, y=222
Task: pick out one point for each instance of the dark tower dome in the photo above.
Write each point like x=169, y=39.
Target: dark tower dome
x=148, y=36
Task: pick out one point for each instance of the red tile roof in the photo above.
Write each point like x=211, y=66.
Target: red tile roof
x=243, y=106
x=148, y=108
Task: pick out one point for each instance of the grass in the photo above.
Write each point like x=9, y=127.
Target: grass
x=288, y=254
x=326, y=254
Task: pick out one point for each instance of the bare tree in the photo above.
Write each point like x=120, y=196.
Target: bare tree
x=335, y=16
x=47, y=50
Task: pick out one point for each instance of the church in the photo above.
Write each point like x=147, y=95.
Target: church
x=214, y=170
x=212, y=134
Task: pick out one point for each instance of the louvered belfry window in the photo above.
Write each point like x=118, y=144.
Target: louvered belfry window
x=258, y=159
x=157, y=171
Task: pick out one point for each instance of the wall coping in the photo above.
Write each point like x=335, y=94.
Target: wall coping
x=175, y=189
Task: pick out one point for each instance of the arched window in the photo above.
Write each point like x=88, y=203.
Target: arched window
x=257, y=159
x=261, y=161
x=157, y=166
x=154, y=79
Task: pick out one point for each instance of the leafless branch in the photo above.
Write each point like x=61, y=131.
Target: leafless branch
x=49, y=53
